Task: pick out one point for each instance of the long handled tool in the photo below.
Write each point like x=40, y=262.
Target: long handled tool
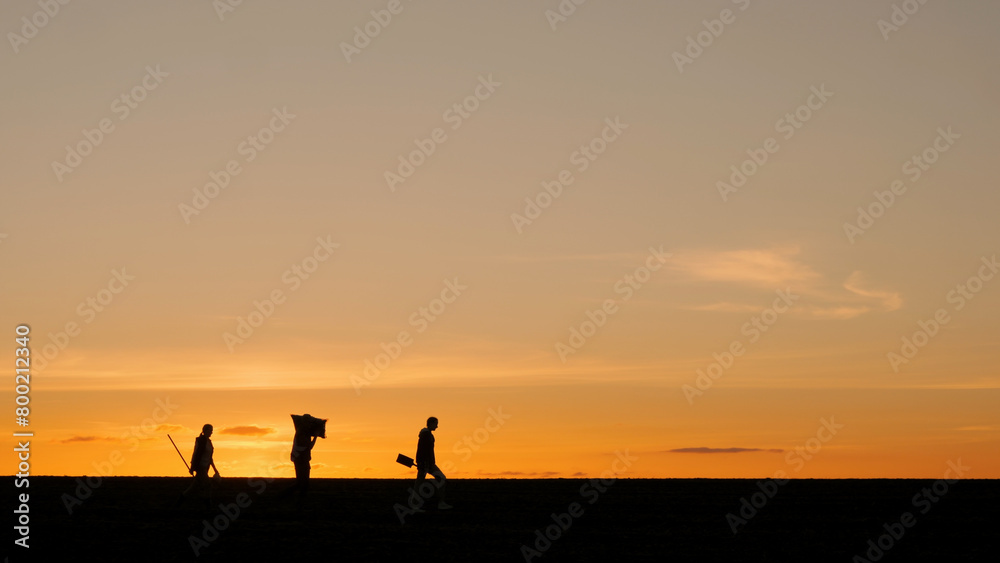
x=186, y=466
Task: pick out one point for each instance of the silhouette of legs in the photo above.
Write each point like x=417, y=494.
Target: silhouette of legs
x=302, y=469
x=201, y=488
x=301, y=486
x=439, y=484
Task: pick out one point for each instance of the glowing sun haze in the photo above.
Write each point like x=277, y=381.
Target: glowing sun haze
x=550, y=239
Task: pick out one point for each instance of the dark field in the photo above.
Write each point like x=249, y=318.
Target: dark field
x=132, y=519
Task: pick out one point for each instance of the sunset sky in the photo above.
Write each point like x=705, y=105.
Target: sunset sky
x=557, y=222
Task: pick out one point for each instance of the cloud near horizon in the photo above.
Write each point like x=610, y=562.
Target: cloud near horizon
x=74, y=439
x=520, y=473
x=248, y=430
x=723, y=450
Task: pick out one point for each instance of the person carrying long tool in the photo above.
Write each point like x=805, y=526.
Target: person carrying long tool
x=201, y=460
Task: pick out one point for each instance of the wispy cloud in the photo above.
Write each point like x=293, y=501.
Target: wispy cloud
x=762, y=267
x=857, y=300
x=723, y=450
x=780, y=268
x=888, y=300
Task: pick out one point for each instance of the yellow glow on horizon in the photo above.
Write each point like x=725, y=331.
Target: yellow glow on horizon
x=478, y=211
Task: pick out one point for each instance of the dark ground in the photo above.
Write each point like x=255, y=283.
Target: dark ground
x=131, y=519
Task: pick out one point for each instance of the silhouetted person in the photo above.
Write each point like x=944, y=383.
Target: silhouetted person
x=201, y=461
x=426, y=462
x=307, y=429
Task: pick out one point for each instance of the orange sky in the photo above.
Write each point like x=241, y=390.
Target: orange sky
x=619, y=238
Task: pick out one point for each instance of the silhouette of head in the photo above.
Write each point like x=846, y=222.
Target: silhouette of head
x=432, y=422
x=206, y=430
